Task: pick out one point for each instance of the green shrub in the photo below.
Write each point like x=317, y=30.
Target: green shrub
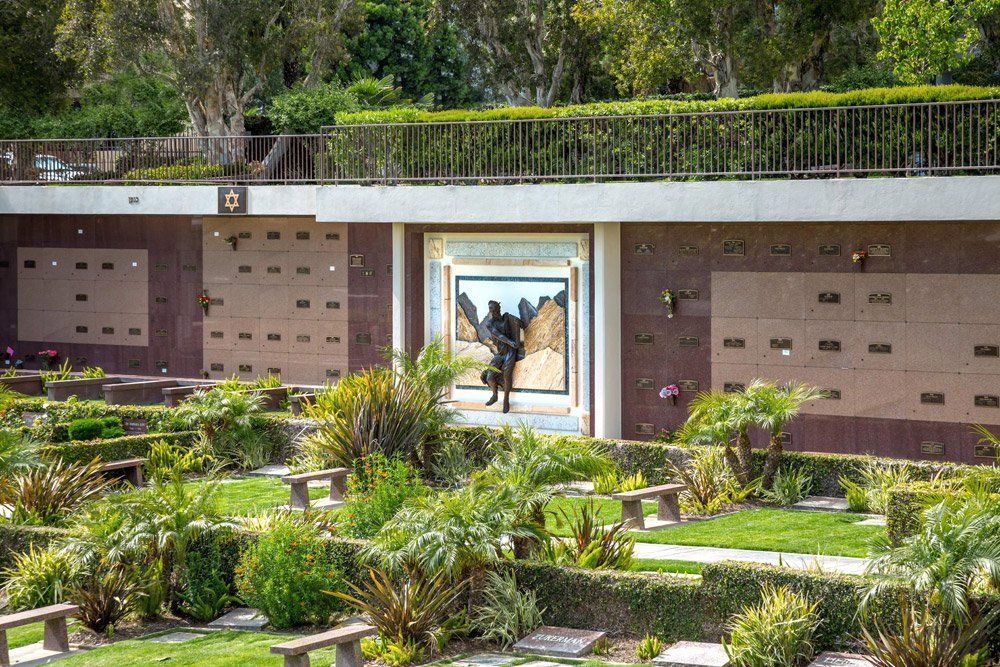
x=285, y=574
x=648, y=648
x=203, y=590
x=16, y=539
x=39, y=577
x=778, y=632
x=789, y=487
x=305, y=110
x=183, y=172
x=115, y=449
x=505, y=613
x=167, y=459
x=85, y=429
x=376, y=489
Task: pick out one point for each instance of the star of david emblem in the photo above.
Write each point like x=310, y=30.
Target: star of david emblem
x=232, y=200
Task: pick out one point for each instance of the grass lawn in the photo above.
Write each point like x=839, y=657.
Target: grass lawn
x=213, y=650
x=673, y=566
x=251, y=495
x=792, y=531
x=608, y=511
x=30, y=634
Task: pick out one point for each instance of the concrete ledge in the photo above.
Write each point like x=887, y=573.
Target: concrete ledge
x=147, y=392
x=29, y=385
x=88, y=389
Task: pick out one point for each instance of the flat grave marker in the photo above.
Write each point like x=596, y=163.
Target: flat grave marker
x=562, y=642
x=692, y=654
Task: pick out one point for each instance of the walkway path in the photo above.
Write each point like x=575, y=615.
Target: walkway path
x=841, y=564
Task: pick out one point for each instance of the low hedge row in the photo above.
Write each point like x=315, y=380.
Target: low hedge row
x=158, y=417
x=898, y=95
x=907, y=503
x=15, y=539
x=114, y=449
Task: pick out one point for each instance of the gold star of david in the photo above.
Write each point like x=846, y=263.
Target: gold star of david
x=232, y=200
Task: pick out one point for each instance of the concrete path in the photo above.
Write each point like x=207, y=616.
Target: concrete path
x=841, y=564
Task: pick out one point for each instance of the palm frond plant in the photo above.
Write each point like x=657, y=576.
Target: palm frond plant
x=224, y=420
x=927, y=638
x=48, y=494
x=773, y=406
x=955, y=553
x=723, y=419
x=18, y=453
x=988, y=437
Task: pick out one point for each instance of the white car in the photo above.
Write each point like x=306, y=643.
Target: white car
x=51, y=168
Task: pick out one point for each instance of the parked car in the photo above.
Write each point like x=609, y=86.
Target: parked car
x=51, y=168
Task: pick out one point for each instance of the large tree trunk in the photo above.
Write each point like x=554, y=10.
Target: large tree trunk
x=744, y=452
x=774, y=451
x=805, y=74
x=218, y=112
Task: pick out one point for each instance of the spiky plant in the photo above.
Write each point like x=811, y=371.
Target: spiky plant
x=592, y=545
x=46, y=495
x=778, y=632
x=106, y=596
x=505, y=613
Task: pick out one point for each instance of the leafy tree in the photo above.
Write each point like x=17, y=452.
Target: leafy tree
x=306, y=110
x=217, y=53
x=925, y=38
x=32, y=77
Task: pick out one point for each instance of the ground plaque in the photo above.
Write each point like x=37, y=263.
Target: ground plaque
x=135, y=426
x=692, y=654
x=830, y=659
x=562, y=642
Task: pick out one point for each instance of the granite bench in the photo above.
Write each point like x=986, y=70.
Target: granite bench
x=347, y=640
x=668, y=511
x=300, y=487
x=144, y=392
x=87, y=389
x=56, y=636
x=130, y=469
x=296, y=401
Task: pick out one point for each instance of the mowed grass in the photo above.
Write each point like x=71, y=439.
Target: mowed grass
x=31, y=634
x=667, y=566
x=229, y=648
x=252, y=495
x=791, y=531
x=608, y=512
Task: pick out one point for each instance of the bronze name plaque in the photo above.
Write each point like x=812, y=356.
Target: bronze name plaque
x=644, y=429
x=829, y=346
x=332, y=236
x=302, y=270
x=216, y=367
x=687, y=385
x=367, y=273
x=29, y=263
x=107, y=330
x=644, y=383
x=829, y=250
x=930, y=447
x=932, y=398
x=245, y=269
x=785, y=437
x=108, y=266
x=828, y=297
x=356, y=261
x=81, y=266
x=734, y=247
x=333, y=305
x=333, y=339
x=879, y=250
x=301, y=236
x=134, y=363
x=217, y=301
x=881, y=298
x=688, y=294
x=160, y=299
x=735, y=343
x=134, y=331
x=688, y=250
x=274, y=371
x=244, y=235
x=160, y=332
x=731, y=387
x=216, y=334
x=245, y=335
x=159, y=267
x=190, y=268
x=986, y=401
x=81, y=297
x=274, y=269
x=781, y=250
x=303, y=338
x=831, y=394
x=246, y=368
x=880, y=348
x=274, y=337
x=781, y=343
x=643, y=339
x=986, y=351
x=688, y=341
x=644, y=248
x=985, y=452
x=273, y=236
x=81, y=328
x=302, y=303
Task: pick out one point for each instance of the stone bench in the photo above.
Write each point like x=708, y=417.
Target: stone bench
x=130, y=469
x=143, y=392
x=87, y=389
x=347, y=640
x=300, y=487
x=668, y=511
x=29, y=384
x=296, y=401
x=56, y=636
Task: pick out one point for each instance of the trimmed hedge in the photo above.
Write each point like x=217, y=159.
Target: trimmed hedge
x=16, y=539
x=898, y=95
x=115, y=449
x=617, y=602
x=158, y=417
x=907, y=503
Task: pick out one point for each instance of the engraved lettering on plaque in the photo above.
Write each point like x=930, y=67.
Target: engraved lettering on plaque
x=644, y=383
x=363, y=339
x=332, y=236
x=733, y=247
x=368, y=273
x=134, y=363
x=732, y=387
x=244, y=235
x=986, y=451
x=82, y=266
x=688, y=341
x=735, y=343
x=245, y=335
x=932, y=398
x=987, y=401
x=302, y=303
x=828, y=297
x=273, y=236
x=274, y=269
x=245, y=269
x=216, y=334
x=134, y=331
x=986, y=351
x=333, y=339
x=189, y=267
x=930, y=447
x=831, y=394
x=160, y=365
x=781, y=250
x=781, y=343
x=829, y=250
x=302, y=270
x=644, y=429
x=160, y=299
x=829, y=346
x=687, y=385
x=159, y=267
x=880, y=348
x=217, y=367
x=108, y=266
x=688, y=250
x=107, y=331
x=881, y=298
x=81, y=329
x=246, y=368
x=301, y=236
x=81, y=297
x=688, y=294
x=880, y=250
x=644, y=248
x=161, y=333
x=333, y=305
x=643, y=339
x=332, y=373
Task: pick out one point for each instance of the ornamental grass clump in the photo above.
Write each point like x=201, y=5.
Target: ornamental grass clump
x=47, y=495
x=778, y=632
x=505, y=613
x=39, y=577
x=591, y=545
x=790, y=486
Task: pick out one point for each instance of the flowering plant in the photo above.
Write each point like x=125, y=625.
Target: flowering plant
x=670, y=391
x=231, y=240
x=668, y=298
x=48, y=354
x=858, y=256
x=203, y=300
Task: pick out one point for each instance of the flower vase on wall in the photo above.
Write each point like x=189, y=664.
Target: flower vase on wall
x=669, y=300
x=858, y=258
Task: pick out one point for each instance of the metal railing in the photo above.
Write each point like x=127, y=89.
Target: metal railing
x=886, y=140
